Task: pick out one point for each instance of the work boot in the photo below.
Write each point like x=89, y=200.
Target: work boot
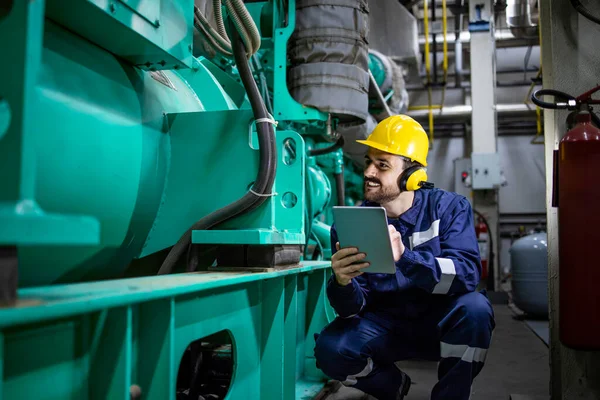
x=404, y=387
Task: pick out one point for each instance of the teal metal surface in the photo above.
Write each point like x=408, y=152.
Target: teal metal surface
x=23, y=221
x=128, y=149
x=4, y=117
x=95, y=340
x=152, y=35
x=319, y=190
x=114, y=140
x=377, y=69
x=285, y=107
x=283, y=210
x=26, y=224
x=250, y=236
x=321, y=231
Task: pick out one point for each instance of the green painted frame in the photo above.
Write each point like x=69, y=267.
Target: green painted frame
x=95, y=340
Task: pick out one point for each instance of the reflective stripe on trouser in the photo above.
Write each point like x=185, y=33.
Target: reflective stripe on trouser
x=361, y=351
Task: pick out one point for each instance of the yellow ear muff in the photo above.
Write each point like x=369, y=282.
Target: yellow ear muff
x=412, y=178
x=413, y=181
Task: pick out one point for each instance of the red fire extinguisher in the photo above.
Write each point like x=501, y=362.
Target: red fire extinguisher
x=483, y=242
x=576, y=193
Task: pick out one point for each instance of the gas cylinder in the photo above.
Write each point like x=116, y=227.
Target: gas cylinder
x=577, y=189
x=482, y=241
x=529, y=265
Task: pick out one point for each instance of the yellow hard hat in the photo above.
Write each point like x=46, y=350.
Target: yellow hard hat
x=400, y=135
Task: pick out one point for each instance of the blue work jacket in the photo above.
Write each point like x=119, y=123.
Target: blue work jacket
x=441, y=259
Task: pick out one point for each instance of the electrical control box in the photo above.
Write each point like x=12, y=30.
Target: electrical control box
x=486, y=171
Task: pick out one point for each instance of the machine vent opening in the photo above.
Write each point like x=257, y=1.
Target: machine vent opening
x=206, y=368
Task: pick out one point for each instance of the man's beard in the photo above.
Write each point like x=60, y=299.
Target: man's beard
x=381, y=194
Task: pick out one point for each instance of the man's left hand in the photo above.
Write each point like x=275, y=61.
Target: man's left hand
x=397, y=245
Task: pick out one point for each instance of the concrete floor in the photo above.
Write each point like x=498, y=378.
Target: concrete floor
x=517, y=368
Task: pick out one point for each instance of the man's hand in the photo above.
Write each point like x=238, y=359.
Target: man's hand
x=397, y=245
x=342, y=264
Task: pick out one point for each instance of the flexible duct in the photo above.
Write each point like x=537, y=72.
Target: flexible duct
x=208, y=20
x=518, y=19
x=329, y=60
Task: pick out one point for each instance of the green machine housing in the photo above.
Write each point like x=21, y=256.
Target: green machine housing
x=114, y=140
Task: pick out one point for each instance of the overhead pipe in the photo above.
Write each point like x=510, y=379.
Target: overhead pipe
x=518, y=18
x=418, y=87
x=430, y=106
x=458, y=22
x=463, y=112
x=428, y=72
x=433, y=42
x=467, y=72
x=444, y=51
x=503, y=38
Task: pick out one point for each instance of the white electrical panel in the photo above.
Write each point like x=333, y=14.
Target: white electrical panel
x=486, y=171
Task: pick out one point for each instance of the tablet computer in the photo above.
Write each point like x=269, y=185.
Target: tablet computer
x=366, y=228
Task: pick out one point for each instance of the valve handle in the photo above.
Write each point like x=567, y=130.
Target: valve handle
x=587, y=96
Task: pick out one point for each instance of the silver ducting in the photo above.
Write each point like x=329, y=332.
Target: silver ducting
x=394, y=31
x=329, y=59
x=503, y=39
x=520, y=20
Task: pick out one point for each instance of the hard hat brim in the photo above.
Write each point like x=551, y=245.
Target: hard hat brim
x=381, y=147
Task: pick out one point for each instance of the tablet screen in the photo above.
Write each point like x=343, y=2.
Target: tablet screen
x=366, y=228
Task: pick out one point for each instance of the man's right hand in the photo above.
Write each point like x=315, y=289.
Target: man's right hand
x=342, y=264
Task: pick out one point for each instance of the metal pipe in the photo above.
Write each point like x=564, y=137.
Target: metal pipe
x=379, y=94
x=501, y=133
x=458, y=22
x=464, y=112
x=518, y=18
x=504, y=38
x=418, y=87
x=467, y=73
x=434, y=41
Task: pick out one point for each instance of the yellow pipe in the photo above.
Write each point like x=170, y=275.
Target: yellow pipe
x=428, y=68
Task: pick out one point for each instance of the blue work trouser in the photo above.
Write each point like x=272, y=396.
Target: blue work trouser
x=360, y=351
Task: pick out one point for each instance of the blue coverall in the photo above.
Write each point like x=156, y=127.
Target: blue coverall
x=429, y=309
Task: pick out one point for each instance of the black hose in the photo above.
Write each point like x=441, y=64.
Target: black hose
x=326, y=150
x=584, y=11
x=340, y=188
x=490, y=280
x=266, y=171
x=569, y=102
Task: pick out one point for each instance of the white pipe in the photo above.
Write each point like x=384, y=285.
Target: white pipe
x=465, y=37
x=465, y=111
